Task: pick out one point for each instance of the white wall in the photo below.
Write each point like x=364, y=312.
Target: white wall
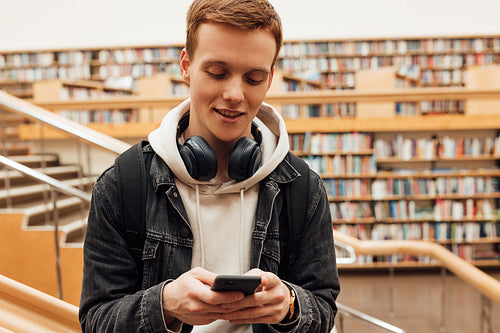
x=45, y=24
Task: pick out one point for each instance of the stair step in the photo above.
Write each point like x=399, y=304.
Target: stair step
x=41, y=214
x=35, y=161
x=59, y=172
x=17, y=150
x=13, y=118
x=74, y=233
x=22, y=195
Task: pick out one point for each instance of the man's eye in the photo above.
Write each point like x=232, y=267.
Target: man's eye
x=217, y=75
x=254, y=82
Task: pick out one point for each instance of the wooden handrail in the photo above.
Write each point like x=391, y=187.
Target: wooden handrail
x=24, y=309
x=484, y=283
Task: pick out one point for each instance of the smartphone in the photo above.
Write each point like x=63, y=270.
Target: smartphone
x=244, y=283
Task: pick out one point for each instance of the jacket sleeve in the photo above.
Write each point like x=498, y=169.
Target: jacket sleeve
x=313, y=271
x=110, y=300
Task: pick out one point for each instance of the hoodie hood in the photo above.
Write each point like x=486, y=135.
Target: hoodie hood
x=275, y=146
x=221, y=211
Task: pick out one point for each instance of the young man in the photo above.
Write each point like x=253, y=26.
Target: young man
x=216, y=204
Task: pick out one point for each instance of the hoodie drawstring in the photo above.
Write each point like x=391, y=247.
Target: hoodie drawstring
x=242, y=229
x=198, y=217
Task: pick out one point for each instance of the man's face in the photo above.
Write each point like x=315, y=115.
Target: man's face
x=229, y=75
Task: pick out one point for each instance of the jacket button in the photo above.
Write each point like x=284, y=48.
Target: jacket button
x=184, y=232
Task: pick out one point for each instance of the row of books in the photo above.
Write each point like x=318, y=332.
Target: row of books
x=179, y=89
x=134, y=55
x=441, y=210
x=46, y=73
x=430, y=107
x=347, y=188
x=424, y=62
x=79, y=93
x=331, y=64
x=442, y=77
x=438, y=62
x=101, y=116
x=340, y=110
x=342, y=165
x=466, y=232
x=80, y=57
x=339, y=80
x=26, y=59
x=334, y=110
x=430, y=148
x=325, y=143
x=331, y=49
x=458, y=246
x=363, y=48
x=466, y=186
x=294, y=85
x=135, y=70
x=442, y=106
x=349, y=212
x=290, y=111
x=407, y=109
x=463, y=209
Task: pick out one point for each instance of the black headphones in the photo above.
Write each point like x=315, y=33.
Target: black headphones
x=201, y=163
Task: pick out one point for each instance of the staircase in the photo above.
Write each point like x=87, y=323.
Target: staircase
x=27, y=219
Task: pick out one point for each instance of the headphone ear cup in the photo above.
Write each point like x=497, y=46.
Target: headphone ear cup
x=199, y=158
x=245, y=159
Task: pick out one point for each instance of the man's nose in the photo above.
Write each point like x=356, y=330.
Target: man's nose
x=233, y=90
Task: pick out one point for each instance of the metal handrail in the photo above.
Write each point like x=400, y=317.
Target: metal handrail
x=351, y=258
x=370, y=320
x=43, y=178
x=55, y=185
x=67, y=126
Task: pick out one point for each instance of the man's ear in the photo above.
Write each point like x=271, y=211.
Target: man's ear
x=184, y=65
x=271, y=75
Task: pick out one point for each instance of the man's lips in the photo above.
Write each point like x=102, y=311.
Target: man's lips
x=228, y=113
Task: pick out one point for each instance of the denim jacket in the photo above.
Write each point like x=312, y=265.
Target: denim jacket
x=116, y=299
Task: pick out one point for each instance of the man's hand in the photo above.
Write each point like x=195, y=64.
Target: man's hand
x=268, y=305
x=190, y=300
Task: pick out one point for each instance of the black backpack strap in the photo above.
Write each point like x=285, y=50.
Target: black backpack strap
x=131, y=174
x=297, y=195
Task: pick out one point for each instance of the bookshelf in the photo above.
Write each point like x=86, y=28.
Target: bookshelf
x=58, y=90
x=432, y=177
x=436, y=61
x=160, y=85
x=380, y=185
x=89, y=64
x=284, y=82
x=389, y=79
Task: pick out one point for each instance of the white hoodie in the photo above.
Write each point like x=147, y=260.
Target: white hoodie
x=221, y=215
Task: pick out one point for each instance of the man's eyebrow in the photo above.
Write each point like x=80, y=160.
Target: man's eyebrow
x=223, y=63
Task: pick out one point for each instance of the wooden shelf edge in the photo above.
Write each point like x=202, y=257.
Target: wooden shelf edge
x=393, y=124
